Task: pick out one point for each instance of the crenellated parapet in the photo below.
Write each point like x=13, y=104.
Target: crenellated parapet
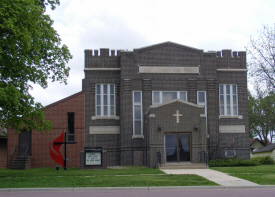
x=231, y=60
x=226, y=59
x=103, y=58
x=228, y=53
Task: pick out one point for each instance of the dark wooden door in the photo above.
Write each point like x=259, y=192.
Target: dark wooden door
x=25, y=143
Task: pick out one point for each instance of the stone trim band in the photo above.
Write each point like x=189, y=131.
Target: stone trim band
x=166, y=69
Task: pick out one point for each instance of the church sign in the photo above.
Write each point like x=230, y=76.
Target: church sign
x=93, y=156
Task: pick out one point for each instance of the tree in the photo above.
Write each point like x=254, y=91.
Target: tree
x=30, y=52
x=262, y=116
x=262, y=52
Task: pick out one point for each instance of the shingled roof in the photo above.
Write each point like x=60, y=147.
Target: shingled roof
x=265, y=149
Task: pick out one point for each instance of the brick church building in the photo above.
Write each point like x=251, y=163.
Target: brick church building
x=165, y=103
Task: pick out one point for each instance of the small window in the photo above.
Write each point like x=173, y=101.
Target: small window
x=70, y=127
x=167, y=96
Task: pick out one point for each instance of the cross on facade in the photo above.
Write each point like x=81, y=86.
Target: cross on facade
x=178, y=116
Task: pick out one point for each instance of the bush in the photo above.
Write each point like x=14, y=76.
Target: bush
x=231, y=162
x=263, y=160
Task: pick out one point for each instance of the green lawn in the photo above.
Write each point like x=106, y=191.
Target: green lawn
x=73, y=177
x=263, y=175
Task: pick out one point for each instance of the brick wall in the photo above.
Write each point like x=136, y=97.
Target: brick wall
x=40, y=141
x=3, y=152
x=123, y=71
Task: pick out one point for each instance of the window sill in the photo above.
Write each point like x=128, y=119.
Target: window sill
x=105, y=117
x=138, y=136
x=232, y=117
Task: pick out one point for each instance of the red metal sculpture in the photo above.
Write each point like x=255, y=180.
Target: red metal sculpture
x=56, y=144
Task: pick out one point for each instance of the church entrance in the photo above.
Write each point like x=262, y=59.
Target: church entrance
x=177, y=147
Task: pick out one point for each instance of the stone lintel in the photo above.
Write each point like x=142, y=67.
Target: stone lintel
x=104, y=129
x=232, y=128
x=105, y=117
x=232, y=117
x=166, y=69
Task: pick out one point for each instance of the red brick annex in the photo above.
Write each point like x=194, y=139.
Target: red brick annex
x=36, y=145
x=162, y=104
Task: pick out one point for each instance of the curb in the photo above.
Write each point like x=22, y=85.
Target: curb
x=174, y=188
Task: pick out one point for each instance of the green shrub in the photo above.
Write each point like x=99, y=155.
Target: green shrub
x=263, y=160
x=231, y=162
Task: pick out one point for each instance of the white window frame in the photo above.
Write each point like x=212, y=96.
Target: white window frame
x=101, y=96
x=202, y=103
x=141, y=115
x=231, y=96
x=161, y=99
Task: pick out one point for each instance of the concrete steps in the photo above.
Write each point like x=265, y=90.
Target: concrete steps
x=183, y=166
x=21, y=163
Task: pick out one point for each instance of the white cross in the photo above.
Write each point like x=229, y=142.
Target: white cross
x=178, y=116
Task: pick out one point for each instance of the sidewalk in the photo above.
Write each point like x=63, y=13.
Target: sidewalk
x=215, y=176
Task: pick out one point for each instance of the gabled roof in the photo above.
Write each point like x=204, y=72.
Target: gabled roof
x=265, y=149
x=164, y=44
x=65, y=99
x=253, y=140
x=173, y=101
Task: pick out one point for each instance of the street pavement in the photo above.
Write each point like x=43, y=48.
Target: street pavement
x=214, y=191
x=215, y=176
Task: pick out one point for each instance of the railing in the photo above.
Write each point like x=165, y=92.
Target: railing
x=14, y=153
x=26, y=151
x=204, y=158
x=159, y=158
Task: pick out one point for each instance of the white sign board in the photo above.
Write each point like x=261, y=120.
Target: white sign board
x=93, y=158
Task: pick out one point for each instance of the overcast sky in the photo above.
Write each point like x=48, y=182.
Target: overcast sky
x=130, y=24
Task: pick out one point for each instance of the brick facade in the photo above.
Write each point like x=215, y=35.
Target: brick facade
x=166, y=67
x=139, y=132
x=57, y=114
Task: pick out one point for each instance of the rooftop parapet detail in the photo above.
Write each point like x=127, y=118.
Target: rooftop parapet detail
x=102, y=52
x=103, y=58
x=228, y=53
x=226, y=59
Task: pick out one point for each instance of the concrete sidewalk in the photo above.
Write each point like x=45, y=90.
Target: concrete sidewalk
x=215, y=176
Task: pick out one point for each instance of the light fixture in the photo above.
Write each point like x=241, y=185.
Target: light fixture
x=57, y=168
x=159, y=128
x=196, y=127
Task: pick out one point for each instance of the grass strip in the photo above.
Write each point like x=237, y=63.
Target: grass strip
x=73, y=177
x=77, y=172
x=105, y=181
x=262, y=175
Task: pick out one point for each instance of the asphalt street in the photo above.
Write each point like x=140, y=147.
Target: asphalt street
x=218, y=191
